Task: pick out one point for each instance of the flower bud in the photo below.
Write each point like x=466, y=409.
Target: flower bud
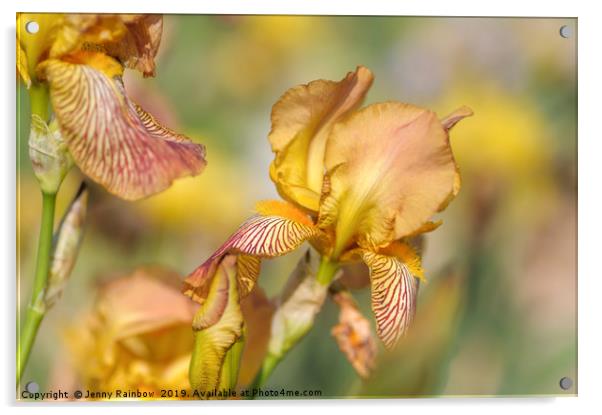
x=48, y=153
x=66, y=247
x=302, y=300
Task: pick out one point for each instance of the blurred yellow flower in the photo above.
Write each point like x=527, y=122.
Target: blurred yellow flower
x=137, y=337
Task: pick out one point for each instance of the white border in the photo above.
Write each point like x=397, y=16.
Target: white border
x=590, y=207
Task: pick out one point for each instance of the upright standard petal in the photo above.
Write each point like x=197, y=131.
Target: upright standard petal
x=394, y=290
x=448, y=123
x=389, y=167
x=111, y=139
x=216, y=335
x=301, y=122
x=279, y=229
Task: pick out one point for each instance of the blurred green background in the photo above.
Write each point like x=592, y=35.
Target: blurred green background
x=498, y=316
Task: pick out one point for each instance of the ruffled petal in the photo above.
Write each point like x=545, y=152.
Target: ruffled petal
x=301, y=122
x=112, y=140
x=133, y=39
x=279, y=229
x=394, y=291
x=389, y=167
x=217, y=334
x=448, y=123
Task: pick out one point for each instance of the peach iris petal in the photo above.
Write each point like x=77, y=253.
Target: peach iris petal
x=301, y=122
x=110, y=138
x=278, y=230
x=389, y=167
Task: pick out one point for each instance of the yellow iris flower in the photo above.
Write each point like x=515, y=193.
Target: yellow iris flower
x=357, y=183
x=79, y=61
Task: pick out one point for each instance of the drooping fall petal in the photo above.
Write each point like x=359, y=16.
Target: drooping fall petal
x=393, y=294
x=110, y=138
x=216, y=335
x=278, y=229
x=353, y=335
x=389, y=167
x=301, y=122
x=66, y=247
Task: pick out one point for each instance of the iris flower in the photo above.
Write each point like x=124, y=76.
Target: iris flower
x=79, y=61
x=357, y=184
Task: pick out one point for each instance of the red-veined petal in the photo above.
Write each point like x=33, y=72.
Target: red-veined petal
x=394, y=291
x=279, y=233
x=112, y=140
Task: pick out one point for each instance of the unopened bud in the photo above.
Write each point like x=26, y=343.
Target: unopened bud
x=48, y=153
x=302, y=300
x=66, y=247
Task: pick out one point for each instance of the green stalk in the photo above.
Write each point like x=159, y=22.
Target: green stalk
x=39, y=99
x=36, y=308
x=326, y=273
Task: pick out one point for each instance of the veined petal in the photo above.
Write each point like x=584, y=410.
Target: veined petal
x=111, y=139
x=394, y=291
x=212, y=341
x=279, y=229
x=389, y=167
x=301, y=122
x=353, y=335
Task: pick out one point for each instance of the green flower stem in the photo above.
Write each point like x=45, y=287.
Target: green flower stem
x=267, y=367
x=326, y=273
x=36, y=308
x=39, y=99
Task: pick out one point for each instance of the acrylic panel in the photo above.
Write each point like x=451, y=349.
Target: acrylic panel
x=295, y=207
